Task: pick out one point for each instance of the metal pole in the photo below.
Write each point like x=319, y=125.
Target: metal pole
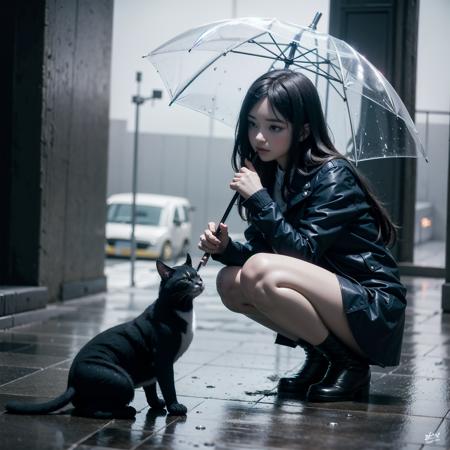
x=445, y=301
x=137, y=100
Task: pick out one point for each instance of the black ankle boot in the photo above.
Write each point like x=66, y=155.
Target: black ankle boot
x=312, y=371
x=347, y=378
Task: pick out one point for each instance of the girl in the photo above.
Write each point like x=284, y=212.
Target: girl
x=315, y=268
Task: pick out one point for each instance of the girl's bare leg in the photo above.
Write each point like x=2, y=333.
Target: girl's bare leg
x=299, y=299
x=230, y=291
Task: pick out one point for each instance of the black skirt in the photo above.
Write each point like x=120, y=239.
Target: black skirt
x=376, y=318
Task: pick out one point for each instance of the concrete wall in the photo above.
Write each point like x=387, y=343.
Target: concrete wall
x=75, y=109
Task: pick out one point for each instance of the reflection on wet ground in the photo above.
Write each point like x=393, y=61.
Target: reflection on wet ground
x=227, y=379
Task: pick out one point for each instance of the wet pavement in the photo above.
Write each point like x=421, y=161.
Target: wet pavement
x=227, y=379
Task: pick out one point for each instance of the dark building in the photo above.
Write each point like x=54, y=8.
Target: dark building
x=54, y=158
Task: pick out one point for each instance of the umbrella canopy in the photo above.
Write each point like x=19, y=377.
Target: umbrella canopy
x=210, y=68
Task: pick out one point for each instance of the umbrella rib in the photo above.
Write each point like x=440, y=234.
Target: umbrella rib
x=194, y=78
x=275, y=58
x=380, y=79
x=337, y=91
x=317, y=63
x=330, y=64
x=276, y=43
x=306, y=50
x=274, y=61
x=268, y=50
x=346, y=103
x=324, y=60
x=324, y=75
x=320, y=72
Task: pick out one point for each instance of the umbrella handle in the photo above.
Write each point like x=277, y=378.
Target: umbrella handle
x=206, y=256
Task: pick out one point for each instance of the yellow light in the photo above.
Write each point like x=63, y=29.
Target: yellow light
x=425, y=222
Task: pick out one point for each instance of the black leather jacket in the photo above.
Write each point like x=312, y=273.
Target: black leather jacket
x=328, y=222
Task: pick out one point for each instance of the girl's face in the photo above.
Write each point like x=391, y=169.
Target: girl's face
x=270, y=135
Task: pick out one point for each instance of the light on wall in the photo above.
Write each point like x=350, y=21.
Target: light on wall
x=425, y=222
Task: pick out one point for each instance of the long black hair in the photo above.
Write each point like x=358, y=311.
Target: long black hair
x=295, y=97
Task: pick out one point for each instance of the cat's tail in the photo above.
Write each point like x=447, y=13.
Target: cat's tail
x=16, y=407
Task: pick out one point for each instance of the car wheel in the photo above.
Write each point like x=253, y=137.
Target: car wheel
x=185, y=248
x=166, y=251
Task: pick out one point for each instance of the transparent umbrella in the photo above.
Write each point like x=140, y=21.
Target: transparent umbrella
x=209, y=69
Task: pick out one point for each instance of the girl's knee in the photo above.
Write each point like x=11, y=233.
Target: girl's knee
x=225, y=281
x=228, y=288
x=256, y=274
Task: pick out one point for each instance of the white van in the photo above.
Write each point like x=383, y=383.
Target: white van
x=162, y=230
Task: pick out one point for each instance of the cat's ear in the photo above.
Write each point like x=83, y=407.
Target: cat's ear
x=188, y=260
x=164, y=271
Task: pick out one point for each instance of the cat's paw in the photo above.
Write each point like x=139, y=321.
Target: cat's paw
x=177, y=409
x=158, y=403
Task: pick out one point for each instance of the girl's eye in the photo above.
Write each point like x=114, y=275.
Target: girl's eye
x=275, y=128
x=251, y=124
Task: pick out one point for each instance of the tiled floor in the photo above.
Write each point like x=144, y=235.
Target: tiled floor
x=227, y=380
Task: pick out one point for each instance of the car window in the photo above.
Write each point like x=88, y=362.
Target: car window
x=145, y=214
x=186, y=213
x=176, y=216
x=182, y=214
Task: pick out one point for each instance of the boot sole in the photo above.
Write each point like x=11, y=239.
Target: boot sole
x=294, y=390
x=361, y=394
x=298, y=395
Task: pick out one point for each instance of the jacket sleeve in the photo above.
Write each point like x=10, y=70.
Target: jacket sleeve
x=335, y=201
x=237, y=253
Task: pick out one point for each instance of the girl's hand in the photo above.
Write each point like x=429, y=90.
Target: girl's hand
x=246, y=181
x=212, y=244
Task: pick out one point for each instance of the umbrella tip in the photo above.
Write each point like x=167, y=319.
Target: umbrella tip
x=315, y=21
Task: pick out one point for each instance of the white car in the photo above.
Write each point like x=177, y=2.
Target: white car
x=162, y=230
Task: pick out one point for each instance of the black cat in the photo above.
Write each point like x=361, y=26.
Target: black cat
x=105, y=372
